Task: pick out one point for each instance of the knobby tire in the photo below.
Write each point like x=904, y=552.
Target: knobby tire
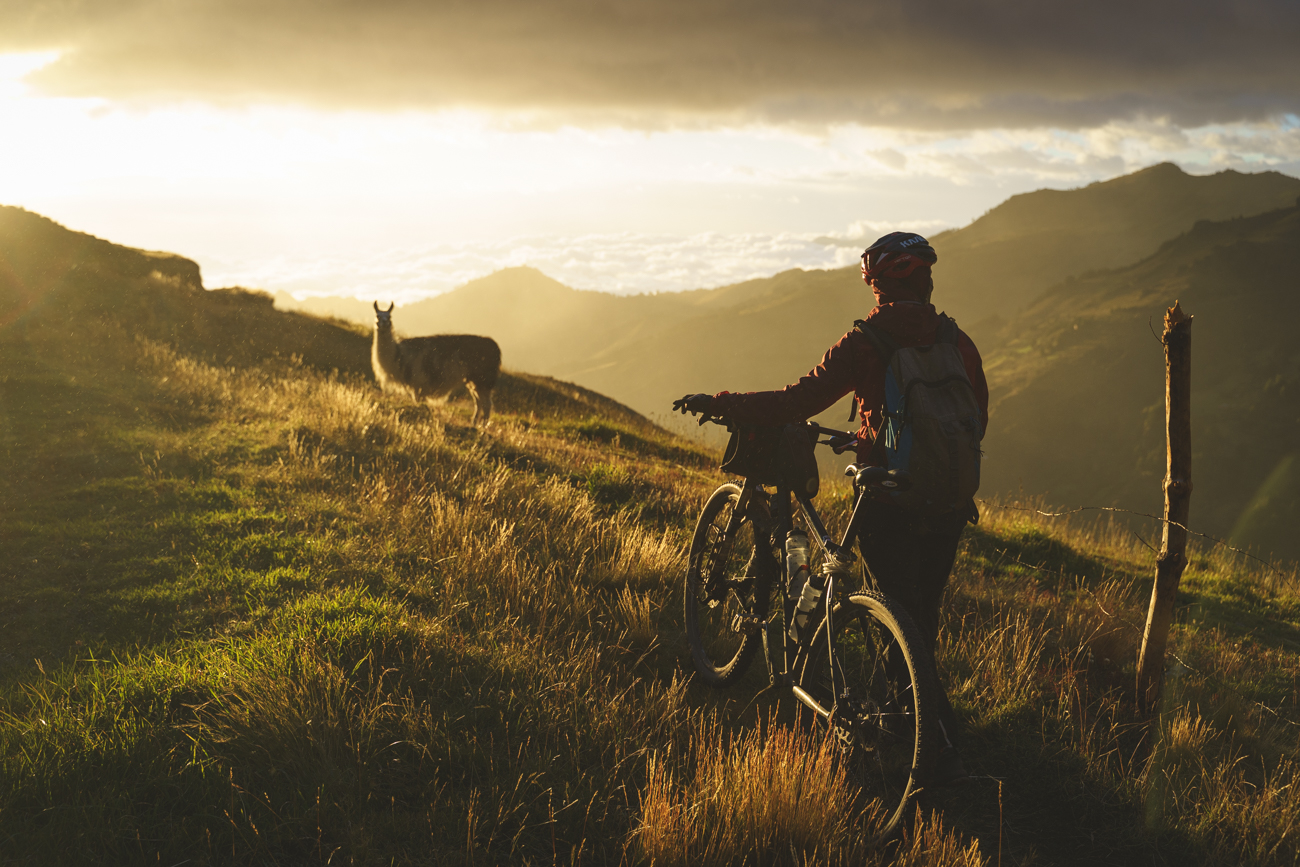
x=887, y=725
x=725, y=578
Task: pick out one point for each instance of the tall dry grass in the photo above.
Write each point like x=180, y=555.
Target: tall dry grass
x=391, y=638
x=447, y=638
x=1041, y=643
x=774, y=797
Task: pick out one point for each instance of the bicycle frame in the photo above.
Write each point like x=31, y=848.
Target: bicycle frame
x=876, y=692
x=838, y=562
x=837, y=565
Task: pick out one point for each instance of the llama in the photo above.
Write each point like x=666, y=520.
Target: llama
x=431, y=368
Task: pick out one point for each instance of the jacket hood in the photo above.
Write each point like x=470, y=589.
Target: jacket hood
x=908, y=322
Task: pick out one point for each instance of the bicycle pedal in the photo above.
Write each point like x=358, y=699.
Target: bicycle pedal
x=747, y=624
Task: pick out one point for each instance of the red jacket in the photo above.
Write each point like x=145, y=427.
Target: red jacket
x=854, y=365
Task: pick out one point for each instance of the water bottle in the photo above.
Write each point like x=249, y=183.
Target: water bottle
x=808, y=600
x=796, y=560
x=796, y=564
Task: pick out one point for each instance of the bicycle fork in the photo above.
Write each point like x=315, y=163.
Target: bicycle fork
x=743, y=623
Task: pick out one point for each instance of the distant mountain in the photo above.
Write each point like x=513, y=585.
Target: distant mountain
x=992, y=268
x=761, y=334
x=648, y=349
x=1078, y=389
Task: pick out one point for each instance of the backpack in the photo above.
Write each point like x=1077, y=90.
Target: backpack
x=931, y=424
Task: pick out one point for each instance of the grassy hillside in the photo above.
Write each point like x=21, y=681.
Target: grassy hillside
x=646, y=349
x=253, y=611
x=1079, y=389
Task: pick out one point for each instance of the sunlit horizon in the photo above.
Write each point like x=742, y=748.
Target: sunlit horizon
x=410, y=203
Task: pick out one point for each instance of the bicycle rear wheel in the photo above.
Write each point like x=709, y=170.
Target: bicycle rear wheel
x=877, y=701
x=728, y=582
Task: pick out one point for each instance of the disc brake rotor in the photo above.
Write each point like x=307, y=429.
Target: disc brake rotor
x=856, y=722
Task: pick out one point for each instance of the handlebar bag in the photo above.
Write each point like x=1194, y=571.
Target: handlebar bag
x=770, y=455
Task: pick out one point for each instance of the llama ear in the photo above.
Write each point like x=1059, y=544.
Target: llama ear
x=391, y=305
x=376, y=306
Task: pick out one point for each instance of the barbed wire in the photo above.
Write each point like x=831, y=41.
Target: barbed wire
x=1217, y=541
x=1230, y=688
x=1220, y=684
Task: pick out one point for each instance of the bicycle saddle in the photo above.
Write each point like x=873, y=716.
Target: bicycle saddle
x=879, y=477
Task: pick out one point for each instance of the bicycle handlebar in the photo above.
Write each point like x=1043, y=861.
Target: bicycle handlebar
x=891, y=481
x=840, y=441
x=830, y=431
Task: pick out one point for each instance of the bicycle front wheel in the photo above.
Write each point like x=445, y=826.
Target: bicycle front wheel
x=876, y=698
x=728, y=581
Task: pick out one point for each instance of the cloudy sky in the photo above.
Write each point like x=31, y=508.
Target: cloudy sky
x=404, y=147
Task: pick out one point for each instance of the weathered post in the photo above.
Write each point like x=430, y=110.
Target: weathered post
x=1177, y=339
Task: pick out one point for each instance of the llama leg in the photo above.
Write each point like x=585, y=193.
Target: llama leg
x=473, y=393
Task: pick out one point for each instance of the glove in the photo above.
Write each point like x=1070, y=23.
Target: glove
x=695, y=403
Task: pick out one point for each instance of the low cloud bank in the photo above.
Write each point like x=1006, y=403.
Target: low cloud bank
x=623, y=263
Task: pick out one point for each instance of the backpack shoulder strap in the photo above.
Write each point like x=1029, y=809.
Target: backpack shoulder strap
x=885, y=348
x=946, y=330
x=883, y=343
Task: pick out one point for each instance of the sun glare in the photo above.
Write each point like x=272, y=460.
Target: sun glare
x=15, y=67
x=283, y=182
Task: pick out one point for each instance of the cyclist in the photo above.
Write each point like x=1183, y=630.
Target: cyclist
x=908, y=557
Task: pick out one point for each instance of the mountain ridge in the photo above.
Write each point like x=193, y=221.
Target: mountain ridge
x=997, y=264
x=988, y=270
x=1082, y=367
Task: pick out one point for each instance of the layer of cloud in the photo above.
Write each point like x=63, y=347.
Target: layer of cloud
x=625, y=263
x=919, y=64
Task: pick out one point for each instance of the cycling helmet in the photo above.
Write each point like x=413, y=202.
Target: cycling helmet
x=897, y=255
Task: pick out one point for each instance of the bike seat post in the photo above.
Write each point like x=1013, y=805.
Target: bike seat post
x=855, y=520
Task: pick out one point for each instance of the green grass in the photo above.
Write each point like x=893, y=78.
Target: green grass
x=258, y=627
x=254, y=611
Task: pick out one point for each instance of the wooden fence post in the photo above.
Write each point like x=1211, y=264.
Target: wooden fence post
x=1177, y=339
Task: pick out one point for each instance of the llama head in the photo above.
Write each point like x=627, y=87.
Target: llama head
x=384, y=318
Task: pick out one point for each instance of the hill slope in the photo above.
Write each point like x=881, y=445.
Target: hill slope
x=254, y=611
x=645, y=349
x=1079, y=391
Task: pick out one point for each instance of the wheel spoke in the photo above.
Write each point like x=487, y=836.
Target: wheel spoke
x=876, y=708
x=725, y=579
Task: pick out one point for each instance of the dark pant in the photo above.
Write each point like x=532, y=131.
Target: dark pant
x=910, y=559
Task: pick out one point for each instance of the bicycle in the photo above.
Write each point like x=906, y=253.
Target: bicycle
x=859, y=663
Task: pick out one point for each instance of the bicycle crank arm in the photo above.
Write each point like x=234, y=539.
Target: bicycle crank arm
x=808, y=700
x=774, y=644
